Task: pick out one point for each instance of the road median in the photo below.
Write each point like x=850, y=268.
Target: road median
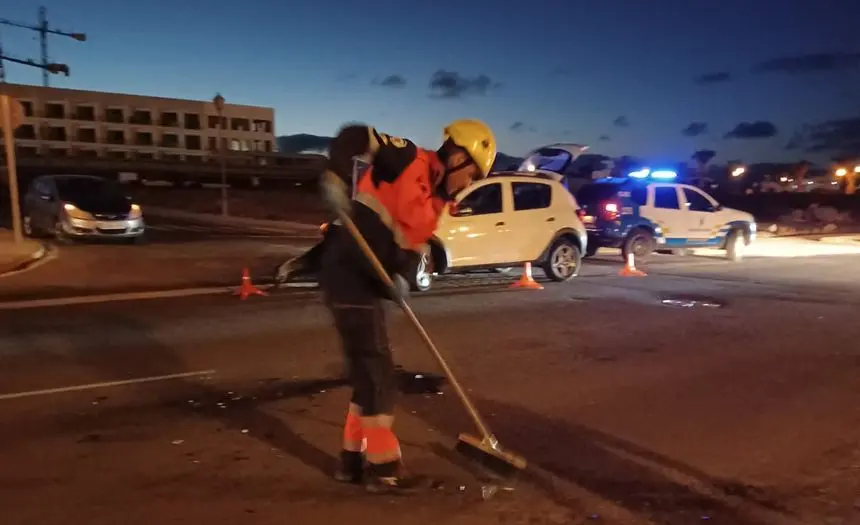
x=17, y=257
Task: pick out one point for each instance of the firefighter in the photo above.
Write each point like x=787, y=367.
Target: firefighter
x=396, y=207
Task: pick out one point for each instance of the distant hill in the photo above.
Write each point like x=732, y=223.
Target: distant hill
x=307, y=143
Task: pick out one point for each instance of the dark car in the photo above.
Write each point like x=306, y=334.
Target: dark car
x=80, y=207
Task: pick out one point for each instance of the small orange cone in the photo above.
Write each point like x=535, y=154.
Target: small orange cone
x=630, y=270
x=247, y=289
x=527, y=281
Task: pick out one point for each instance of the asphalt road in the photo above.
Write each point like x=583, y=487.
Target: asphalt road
x=176, y=255
x=629, y=410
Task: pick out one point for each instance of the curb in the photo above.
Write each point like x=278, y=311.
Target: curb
x=208, y=218
x=44, y=252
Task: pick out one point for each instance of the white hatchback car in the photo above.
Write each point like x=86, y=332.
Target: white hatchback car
x=506, y=220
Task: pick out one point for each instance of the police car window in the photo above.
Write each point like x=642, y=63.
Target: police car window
x=484, y=200
x=531, y=196
x=666, y=197
x=696, y=201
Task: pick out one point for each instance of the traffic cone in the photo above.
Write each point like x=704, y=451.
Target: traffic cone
x=247, y=289
x=630, y=270
x=527, y=281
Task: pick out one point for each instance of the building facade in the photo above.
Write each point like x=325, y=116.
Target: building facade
x=90, y=124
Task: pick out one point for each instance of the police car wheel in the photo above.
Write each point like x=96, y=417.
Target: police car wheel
x=563, y=261
x=735, y=244
x=640, y=244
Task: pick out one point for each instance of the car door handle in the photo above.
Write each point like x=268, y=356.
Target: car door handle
x=500, y=224
x=551, y=219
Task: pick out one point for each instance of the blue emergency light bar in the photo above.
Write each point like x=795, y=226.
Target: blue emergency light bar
x=645, y=173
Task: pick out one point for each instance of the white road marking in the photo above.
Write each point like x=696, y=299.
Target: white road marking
x=105, y=384
x=137, y=296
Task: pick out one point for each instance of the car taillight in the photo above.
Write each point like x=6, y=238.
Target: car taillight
x=610, y=211
x=580, y=213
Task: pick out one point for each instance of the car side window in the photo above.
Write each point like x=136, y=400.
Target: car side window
x=696, y=201
x=531, y=195
x=484, y=200
x=666, y=197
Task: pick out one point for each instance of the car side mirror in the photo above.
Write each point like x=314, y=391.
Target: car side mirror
x=463, y=211
x=718, y=207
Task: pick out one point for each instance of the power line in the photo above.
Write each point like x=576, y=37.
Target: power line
x=44, y=30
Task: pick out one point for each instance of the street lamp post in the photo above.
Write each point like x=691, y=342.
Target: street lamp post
x=219, y=108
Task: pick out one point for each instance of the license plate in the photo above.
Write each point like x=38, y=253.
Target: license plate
x=111, y=225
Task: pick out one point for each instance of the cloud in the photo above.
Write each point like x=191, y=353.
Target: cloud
x=450, y=84
x=621, y=122
x=713, y=78
x=797, y=141
x=760, y=129
x=840, y=137
x=811, y=63
x=604, y=138
x=391, y=81
x=694, y=129
x=520, y=127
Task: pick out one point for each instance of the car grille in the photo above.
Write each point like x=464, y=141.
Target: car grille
x=109, y=216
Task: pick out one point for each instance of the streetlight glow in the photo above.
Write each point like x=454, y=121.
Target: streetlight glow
x=841, y=172
x=857, y=169
x=737, y=172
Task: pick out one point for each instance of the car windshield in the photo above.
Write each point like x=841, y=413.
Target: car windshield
x=548, y=159
x=78, y=187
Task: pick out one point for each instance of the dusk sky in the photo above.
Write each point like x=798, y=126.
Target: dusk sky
x=622, y=76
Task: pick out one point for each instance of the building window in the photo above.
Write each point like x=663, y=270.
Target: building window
x=169, y=119
x=235, y=145
x=58, y=152
x=170, y=140
x=114, y=154
x=141, y=117
x=28, y=108
x=194, y=158
x=85, y=113
x=262, y=126
x=26, y=132
x=87, y=135
x=27, y=151
x=193, y=142
x=87, y=153
x=192, y=121
x=55, y=133
x=240, y=124
x=268, y=146
x=170, y=156
x=213, y=144
x=115, y=115
x=55, y=110
x=143, y=138
x=144, y=156
x=115, y=136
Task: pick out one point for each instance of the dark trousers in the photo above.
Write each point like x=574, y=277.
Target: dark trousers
x=355, y=300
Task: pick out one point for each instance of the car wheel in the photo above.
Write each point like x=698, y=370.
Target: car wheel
x=421, y=277
x=27, y=226
x=639, y=243
x=563, y=261
x=735, y=245
x=60, y=234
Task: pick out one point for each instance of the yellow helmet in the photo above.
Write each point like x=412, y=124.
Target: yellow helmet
x=477, y=139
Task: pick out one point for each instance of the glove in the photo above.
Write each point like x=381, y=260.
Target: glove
x=282, y=272
x=402, y=286
x=335, y=192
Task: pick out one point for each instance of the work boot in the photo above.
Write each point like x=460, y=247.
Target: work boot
x=395, y=481
x=351, y=468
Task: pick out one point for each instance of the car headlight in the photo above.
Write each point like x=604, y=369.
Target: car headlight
x=135, y=212
x=76, y=213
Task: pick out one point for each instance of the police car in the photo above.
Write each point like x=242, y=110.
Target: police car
x=648, y=211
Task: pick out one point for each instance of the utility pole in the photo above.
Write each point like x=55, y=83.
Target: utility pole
x=44, y=30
